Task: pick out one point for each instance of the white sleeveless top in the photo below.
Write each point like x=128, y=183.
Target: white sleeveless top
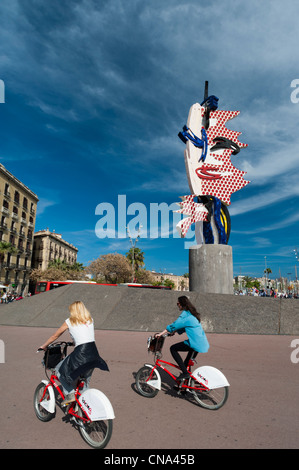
x=81, y=333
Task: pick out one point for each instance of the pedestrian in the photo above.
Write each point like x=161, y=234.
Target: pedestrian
x=188, y=322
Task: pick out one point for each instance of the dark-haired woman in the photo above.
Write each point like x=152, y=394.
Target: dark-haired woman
x=188, y=322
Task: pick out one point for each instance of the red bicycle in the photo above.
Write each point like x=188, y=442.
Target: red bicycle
x=208, y=385
x=91, y=411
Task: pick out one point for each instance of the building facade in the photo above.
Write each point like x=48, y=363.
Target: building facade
x=49, y=246
x=18, y=213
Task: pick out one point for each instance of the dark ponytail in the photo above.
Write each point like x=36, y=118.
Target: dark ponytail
x=187, y=305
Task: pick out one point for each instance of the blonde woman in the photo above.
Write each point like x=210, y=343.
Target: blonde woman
x=85, y=357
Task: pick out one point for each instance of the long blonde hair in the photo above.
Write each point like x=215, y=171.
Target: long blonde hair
x=79, y=313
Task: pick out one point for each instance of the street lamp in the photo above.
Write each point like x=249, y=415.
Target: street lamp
x=265, y=272
x=133, y=243
x=296, y=255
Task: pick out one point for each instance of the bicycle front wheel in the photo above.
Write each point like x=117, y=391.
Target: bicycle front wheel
x=210, y=399
x=142, y=385
x=40, y=411
x=97, y=434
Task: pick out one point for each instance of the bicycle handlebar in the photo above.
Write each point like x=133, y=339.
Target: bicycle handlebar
x=164, y=336
x=59, y=343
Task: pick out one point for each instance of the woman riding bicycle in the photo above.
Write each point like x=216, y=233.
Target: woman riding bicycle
x=85, y=357
x=188, y=322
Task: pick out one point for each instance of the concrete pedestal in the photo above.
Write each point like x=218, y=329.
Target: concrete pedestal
x=211, y=269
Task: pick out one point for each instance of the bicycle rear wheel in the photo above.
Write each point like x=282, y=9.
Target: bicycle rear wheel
x=97, y=434
x=210, y=399
x=143, y=387
x=40, y=411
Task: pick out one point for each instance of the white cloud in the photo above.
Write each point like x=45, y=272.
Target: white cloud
x=44, y=204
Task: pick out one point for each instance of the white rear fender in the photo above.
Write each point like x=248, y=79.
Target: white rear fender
x=49, y=404
x=96, y=405
x=210, y=377
x=155, y=383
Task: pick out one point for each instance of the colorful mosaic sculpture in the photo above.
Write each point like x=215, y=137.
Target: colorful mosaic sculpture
x=211, y=175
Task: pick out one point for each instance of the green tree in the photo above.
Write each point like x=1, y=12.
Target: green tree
x=169, y=283
x=6, y=247
x=59, y=264
x=268, y=271
x=64, y=266
x=76, y=267
x=138, y=256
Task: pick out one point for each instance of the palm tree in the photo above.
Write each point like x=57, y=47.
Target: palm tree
x=6, y=247
x=138, y=256
x=76, y=266
x=58, y=263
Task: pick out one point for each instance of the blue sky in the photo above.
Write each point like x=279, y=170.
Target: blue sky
x=97, y=91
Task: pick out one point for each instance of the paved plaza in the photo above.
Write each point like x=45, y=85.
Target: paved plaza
x=262, y=410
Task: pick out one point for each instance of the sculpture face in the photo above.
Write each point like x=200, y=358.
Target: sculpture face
x=213, y=175
x=210, y=172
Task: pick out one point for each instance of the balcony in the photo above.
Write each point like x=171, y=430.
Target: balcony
x=5, y=210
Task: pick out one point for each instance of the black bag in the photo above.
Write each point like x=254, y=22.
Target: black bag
x=52, y=356
x=155, y=344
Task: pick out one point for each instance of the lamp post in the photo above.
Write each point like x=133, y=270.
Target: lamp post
x=297, y=258
x=133, y=243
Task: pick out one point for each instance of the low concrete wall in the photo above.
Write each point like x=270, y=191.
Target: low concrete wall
x=137, y=309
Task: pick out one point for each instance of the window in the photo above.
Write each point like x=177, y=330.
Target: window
x=25, y=203
x=17, y=197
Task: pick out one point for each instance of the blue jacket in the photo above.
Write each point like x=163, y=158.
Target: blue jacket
x=189, y=324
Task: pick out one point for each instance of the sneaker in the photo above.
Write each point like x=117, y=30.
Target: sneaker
x=68, y=399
